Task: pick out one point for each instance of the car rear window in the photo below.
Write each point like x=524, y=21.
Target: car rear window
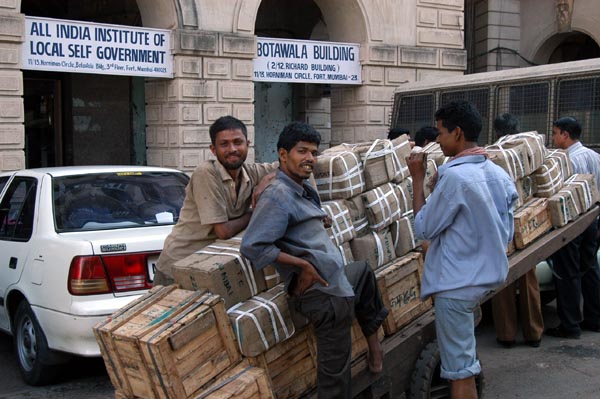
x=117, y=200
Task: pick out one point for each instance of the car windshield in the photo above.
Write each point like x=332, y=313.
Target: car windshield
x=117, y=200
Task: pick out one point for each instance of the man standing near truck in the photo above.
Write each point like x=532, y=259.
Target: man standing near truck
x=575, y=265
x=287, y=231
x=217, y=198
x=469, y=220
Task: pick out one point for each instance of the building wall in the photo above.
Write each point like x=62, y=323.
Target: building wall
x=12, y=130
x=213, y=46
x=512, y=33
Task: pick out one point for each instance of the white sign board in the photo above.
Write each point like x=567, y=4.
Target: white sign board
x=297, y=61
x=85, y=47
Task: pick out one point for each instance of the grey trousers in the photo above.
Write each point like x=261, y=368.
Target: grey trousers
x=332, y=319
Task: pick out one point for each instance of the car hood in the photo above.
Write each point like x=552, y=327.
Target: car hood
x=123, y=240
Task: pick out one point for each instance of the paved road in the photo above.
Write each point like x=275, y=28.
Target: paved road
x=557, y=369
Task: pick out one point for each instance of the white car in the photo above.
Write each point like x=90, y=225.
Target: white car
x=76, y=244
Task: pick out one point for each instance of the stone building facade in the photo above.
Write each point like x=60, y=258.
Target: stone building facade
x=214, y=43
x=504, y=34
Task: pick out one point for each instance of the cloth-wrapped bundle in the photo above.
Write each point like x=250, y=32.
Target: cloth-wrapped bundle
x=339, y=175
x=342, y=228
x=548, y=178
x=383, y=206
x=512, y=157
x=377, y=248
x=262, y=321
x=535, y=145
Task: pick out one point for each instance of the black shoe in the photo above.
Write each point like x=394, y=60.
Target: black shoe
x=506, y=344
x=589, y=326
x=534, y=343
x=561, y=332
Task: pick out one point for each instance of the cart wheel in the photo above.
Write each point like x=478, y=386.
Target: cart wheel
x=426, y=382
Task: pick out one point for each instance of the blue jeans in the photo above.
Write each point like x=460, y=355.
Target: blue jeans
x=455, y=329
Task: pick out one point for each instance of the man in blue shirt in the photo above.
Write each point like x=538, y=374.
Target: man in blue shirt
x=287, y=231
x=469, y=220
x=576, y=272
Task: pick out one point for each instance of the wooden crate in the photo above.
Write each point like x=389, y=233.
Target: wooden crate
x=241, y=382
x=400, y=289
x=126, y=339
x=191, y=349
x=291, y=366
x=532, y=220
x=104, y=329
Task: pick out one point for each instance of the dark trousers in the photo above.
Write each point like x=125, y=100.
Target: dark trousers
x=576, y=276
x=504, y=309
x=332, y=319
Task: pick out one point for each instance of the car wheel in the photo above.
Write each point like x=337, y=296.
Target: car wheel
x=37, y=363
x=426, y=382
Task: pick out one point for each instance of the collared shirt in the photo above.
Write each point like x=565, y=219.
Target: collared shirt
x=210, y=198
x=469, y=220
x=585, y=160
x=289, y=218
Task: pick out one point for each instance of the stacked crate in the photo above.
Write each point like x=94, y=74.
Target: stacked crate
x=229, y=331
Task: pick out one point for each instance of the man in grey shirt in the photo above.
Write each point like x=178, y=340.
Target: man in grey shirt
x=287, y=231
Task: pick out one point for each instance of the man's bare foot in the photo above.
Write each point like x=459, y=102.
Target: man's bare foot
x=375, y=355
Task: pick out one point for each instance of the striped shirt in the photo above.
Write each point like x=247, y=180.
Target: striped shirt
x=585, y=160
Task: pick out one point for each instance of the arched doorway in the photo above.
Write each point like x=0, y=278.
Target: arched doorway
x=277, y=104
x=574, y=47
x=83, y=119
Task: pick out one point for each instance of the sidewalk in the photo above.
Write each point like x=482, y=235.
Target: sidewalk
x=559, y=368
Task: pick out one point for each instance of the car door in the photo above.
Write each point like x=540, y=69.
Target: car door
x=17, y=208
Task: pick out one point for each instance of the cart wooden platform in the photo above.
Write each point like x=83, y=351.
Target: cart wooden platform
x=403, y=349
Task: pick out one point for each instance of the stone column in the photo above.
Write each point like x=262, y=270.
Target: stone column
x=213, y=77
x=12, y=130
x=497, y=33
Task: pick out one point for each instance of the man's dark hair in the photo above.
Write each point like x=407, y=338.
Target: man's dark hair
x=461, y=114
x=226, y=123
x=569, y=125
x=296, y=132
x=426, y=133
x=397, y=132
x=506, y=124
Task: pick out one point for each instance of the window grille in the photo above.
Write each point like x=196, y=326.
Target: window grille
x=580, y=98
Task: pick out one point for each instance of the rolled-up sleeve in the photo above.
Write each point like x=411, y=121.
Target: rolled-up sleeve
x=267, y=225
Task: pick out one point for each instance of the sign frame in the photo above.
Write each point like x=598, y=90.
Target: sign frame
x=70, y=46
x=307, y=61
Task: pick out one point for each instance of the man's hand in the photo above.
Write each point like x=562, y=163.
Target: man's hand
x=260, y=187
x=307, y=278
x=417, y=163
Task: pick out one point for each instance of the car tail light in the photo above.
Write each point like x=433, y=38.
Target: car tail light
x=104, y=274
x=87, y=276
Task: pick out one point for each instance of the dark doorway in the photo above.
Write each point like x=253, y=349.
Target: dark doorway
x=84, y=119
x=576, y=46
x=43, y=141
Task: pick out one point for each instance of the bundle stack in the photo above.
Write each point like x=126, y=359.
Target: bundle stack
x=524, y=157
x=549, y=194
x=382, y=219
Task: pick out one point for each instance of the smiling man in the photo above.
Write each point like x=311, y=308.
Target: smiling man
x=217, y=199
x=287, y=231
